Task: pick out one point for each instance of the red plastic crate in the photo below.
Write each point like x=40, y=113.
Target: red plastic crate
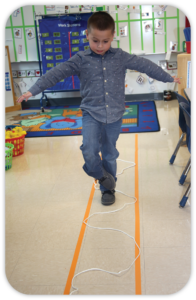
x=18, y=143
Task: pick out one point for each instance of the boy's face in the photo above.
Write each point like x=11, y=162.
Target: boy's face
x=99, y=41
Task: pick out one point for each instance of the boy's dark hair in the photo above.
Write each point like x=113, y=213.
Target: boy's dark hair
x=101, y=20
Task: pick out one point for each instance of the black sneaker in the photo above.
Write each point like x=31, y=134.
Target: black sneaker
x=108, y=197
x=107, y=181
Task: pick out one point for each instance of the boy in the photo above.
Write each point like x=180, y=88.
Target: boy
x=101, y=70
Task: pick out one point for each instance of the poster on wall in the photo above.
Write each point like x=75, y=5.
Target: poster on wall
x=123, y=31
x=66, y=9
x=30, y=34
x=147, y=26
x=158, y=24
x=17, y=33
x=173, y=46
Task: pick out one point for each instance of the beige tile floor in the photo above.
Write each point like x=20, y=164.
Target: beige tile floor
x=46, y=195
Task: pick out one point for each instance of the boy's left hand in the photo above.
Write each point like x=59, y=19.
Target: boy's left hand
x=177, y=80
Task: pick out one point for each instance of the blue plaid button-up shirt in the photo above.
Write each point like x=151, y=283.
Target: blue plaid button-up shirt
x=102, y=80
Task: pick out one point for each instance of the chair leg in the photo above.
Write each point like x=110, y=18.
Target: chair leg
x=185, y=172
x=185, y=197
x=177, y=148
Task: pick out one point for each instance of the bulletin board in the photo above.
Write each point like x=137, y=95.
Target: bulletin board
x=61, y=38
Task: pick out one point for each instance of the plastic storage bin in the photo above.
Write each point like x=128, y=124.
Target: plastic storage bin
x=8, y=155
x=17, y=142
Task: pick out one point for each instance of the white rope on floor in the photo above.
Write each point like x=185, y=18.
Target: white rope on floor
x=120, y=273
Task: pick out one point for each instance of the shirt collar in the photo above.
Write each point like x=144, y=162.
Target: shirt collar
x=89, y=51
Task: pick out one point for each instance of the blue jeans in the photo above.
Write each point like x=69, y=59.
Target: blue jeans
x=99, y=137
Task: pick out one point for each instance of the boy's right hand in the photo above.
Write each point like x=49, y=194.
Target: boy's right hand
x=26, y=96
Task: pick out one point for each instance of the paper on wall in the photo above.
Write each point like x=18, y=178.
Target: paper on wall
x=50, y=8
x=74, y=8
x=16, y=12
x=168, y=55
x=30, y=33
x=159, y=32
x=159, y=9
x=66, y=9
x=145, y=14
x=30, y=73
x=132, y=9
x=17, y=33
x=19, y=49
x=22, y=73
x=150, y=80
x=124, y=7
x=14, y=74
x=22, y=86
x=162, y=9
x=158, y=23
x=123, y=31
x=87, y=8
x=147, y=26
x=37, y=73
x=130, y=90
x=60, y=8
x=140, y=79
x=173, y=46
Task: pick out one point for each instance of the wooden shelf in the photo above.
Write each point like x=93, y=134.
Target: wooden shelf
x=182, y=60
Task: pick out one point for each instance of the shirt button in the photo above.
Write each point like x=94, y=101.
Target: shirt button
x=102, y=57
x=106, y=105
x=106, y=93
x=105, y=80
x=104, y=68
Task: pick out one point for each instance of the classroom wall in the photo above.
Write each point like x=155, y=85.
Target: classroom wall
x=138, y=24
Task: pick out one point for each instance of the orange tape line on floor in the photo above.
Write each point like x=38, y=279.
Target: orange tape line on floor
x=78, y=246
x=138, y=290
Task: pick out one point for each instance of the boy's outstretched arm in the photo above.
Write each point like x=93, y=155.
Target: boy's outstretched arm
x=143, y=65
x=56, y=74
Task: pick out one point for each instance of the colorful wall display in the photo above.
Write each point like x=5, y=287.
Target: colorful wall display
x=61, y=38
